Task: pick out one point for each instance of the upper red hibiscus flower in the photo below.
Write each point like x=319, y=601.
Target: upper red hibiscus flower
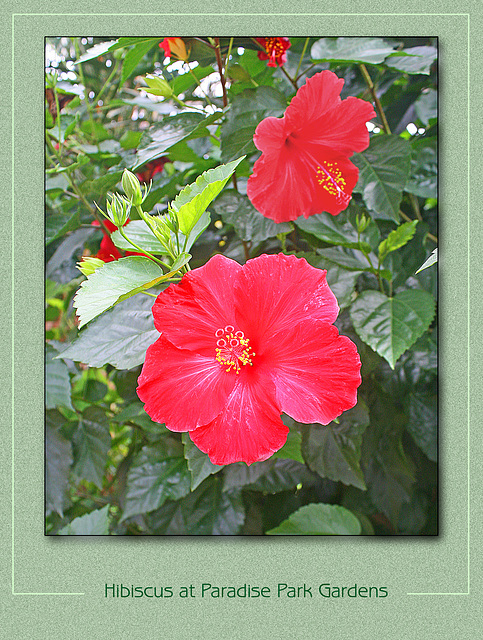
x=304, y=167
x=274, y=50
x=174, y=47
x=239, y=345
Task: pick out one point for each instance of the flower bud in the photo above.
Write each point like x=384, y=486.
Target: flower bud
x=362, y=223
x=118, y=209
x=132, y=188
x=89, y=265
x=158, y=86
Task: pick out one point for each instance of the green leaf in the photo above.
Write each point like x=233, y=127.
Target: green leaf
x=207, y=511
x=130, y=139
x=248, y=109
x=397, y=239
x=158, y=473
x=57, y=225
x=95, y=523
x=193, y=200
x=433, y=258
x=58, y=458
x=270, y=476
x=139, y=232
x=159, y=138
x=237, y=210
x=426, y=106
x=180, y=84
x=96, y=51
x=129, y=41
x=119, y=337
x=134, y=57
x=350, y=259
x=422, y=423
x=365, y=50
x=416, y=60
x=292, y=448
x=334, y=451
x=391, y=325
x=423, y=181
x=57, y=381
x=113, y=283
x=92, y=441
x=319, y=520
x=199, y=463
x=384, y=171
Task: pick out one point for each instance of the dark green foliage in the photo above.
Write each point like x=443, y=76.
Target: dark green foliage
x=111, y=470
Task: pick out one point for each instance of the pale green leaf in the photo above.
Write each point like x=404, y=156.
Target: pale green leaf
x=319, y=520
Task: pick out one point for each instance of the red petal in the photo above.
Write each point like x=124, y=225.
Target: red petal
x=316, y=372
x=342, y=128
x=249, y=428
x=274, y=292
x=320, y=93
x=190, y=312
x=181, y=388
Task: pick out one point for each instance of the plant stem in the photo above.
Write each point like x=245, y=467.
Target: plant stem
x=146, y=253
x=220, y=70
x=377, y=102
x=301, y=58
x=293, y=81
x=192, y=73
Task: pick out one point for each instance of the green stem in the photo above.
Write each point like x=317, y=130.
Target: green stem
x=302, y=57
x=146, y=253
x=192, y=73
x=227, y=59
x=293, y=81
x=220, y=70
x=377, y=102
x=107, y=83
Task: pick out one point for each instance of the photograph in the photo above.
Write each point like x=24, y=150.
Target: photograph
x=241, y=286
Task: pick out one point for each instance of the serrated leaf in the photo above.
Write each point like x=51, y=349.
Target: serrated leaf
x=423, y=181
x=158, y=473
x=433, y=258
x=113, y=283
x=57, y=225
x=334, y=451
x=199, y=463
x=383, y=173
x=391, y=325
x=58, y=458
x=92, y=441
x=57, y=381
x=133, y=57
x=270, y=476
x=237, y=210
x=291, y=450
x=365, y=50
x=319, y=520
x=422, y=423
x=96, y=51
x=397, y=239
x=159, y=138
x=206, y=511
x=248, y=109
x=139, y=232
x=120, y=337
x=416, y=60
x=426, y=106
x=95, y=523
x=194, y=199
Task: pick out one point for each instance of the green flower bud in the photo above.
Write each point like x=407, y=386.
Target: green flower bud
x=132, y=187
x=118, y=209
x=89, y=265
x=158, y=86
x=362, y=223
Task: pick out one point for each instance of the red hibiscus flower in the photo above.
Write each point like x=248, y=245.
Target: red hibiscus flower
x=174, y=47
x=151, y=169
x=274, y=50
x=239, y=345
x=304, y=167
x=108, y=252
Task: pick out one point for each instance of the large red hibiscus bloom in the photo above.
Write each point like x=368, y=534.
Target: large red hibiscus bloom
x=239, y=345
x=304, y=167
